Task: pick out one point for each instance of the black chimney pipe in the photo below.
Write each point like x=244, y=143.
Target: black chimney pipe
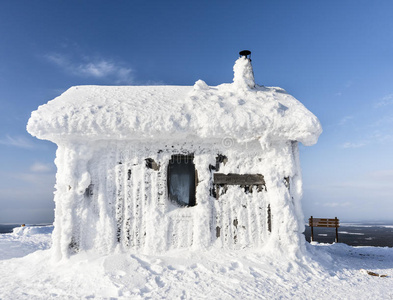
x=245, y=53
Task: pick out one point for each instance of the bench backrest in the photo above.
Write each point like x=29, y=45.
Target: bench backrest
x=321, y=222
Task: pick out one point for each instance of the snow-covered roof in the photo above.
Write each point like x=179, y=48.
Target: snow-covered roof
x=240, y=110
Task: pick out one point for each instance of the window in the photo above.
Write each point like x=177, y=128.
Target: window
x=182, y=180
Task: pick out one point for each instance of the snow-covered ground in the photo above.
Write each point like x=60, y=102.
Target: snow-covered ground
x=333, y=271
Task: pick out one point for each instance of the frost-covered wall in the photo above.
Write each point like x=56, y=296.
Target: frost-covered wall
x=107, y=197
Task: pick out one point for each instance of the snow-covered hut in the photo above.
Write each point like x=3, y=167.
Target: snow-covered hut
x=155, y=168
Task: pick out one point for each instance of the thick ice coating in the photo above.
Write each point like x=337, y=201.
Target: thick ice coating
x=156, y=112
x=125, y=151
x=243, y=74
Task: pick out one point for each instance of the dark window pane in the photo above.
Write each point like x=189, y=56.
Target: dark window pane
x=181, y=180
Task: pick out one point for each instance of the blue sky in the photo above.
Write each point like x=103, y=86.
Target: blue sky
x=336, y=57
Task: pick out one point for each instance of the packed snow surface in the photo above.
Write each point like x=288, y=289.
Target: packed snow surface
x=240, y=110
x=25, y=240
x=333, y=271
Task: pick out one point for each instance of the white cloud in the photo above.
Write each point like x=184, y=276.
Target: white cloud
x=381, y=135
x=355, y=196
x=382, y=175
x=336, y=204
x=153, y=82
x=27, y=199
x=35, y=179
x=18, y=141
x=348, y=84
x=345, y=120
x=96, y=68
x=383, y=121
x=102, y=69
x=387, y=100
x=40, y=167
x=369, y=184
x=348, y=145
x=375, y=138
x=57, y=59
x=344, y=87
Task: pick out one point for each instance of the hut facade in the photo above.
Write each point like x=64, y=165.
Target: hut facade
x=155, y=168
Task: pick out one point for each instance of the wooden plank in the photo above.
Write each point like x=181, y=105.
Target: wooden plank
x=310, y=222
x=324, y=225
x=324, y=220
x=239, y=179
x=319, y=223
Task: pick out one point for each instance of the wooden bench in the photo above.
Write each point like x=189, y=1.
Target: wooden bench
x=321, y=222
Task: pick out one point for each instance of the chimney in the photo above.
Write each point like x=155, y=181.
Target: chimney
x=243, y=74
x=246, y=54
